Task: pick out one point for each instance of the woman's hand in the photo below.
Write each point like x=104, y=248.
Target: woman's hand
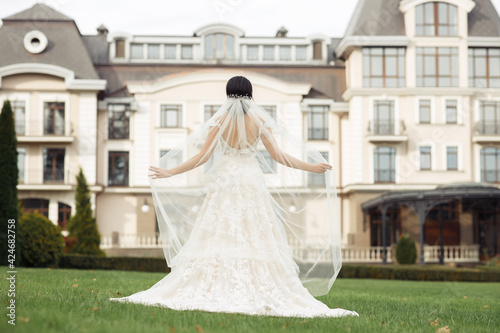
x=320, y=167
x=159, y=172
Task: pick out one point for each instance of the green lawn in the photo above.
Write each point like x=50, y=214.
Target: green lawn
x=67, y=300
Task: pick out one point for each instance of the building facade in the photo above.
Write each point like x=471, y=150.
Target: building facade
x=407, y=101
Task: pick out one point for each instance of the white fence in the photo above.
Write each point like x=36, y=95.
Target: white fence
x=452, y=253
x=350, y=254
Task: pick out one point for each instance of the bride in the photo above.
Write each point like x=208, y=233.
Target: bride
x=244, y=234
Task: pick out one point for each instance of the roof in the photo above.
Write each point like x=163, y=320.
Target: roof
x=448, y=191
x=330, y=81
x=382, y=18
x=39, y=12
x=376, y=18
x=484, y=20
x=98, y=48
x=65, y=47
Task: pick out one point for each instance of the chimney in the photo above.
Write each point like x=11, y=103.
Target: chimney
x=102, y=30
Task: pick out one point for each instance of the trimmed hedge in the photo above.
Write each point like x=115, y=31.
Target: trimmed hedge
x=114, y=263
x=419, y=273
x=390, y=272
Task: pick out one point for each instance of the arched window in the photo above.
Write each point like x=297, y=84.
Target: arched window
x=219, y=46
x=436, y=19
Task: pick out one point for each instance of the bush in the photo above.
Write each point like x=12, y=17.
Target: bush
x=406, y=251
x=82, y=226
x=40, y=241
x=114, y=263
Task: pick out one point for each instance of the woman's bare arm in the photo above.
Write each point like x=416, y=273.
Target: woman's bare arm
x=288, y=160
x=195, y=161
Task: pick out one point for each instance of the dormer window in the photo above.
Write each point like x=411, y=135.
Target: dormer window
x=219, y=46
x=317, y=50
x=436, y=19
x=119, y=48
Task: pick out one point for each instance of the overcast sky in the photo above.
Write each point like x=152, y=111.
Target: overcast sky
x=183, y=17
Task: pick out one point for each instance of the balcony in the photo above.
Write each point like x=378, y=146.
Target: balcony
x=384, y=130
x=487, y=132
x=33, y=131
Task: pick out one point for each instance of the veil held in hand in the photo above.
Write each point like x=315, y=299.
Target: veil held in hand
x=306, y=224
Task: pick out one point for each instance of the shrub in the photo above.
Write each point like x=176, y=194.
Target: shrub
x=82, y=226
x=40, y=242
x=406, y=251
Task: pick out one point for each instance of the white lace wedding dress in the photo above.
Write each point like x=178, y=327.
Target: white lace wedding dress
x=256, y=276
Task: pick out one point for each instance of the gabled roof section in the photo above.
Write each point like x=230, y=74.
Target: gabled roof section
x=376, y=18
x=39, y=12
x=484, y=20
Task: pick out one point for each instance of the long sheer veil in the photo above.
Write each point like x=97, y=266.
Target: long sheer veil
x=304, y=203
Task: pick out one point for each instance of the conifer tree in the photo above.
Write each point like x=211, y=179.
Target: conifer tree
x=83, y=225
x=8, y=178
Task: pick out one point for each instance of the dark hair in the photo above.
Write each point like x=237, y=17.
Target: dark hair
x=239, y=85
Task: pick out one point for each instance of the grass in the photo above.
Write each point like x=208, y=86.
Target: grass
x=69, y=300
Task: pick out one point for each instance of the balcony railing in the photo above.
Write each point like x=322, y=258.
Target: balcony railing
x=484, y=127
x=350, y=254
x=452, y=253
x=385, y=127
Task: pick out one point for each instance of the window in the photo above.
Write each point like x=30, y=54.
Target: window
x=19, y=111
x=53, y=165
x=187, y=51
x=490, y=164
x=317, y=50
x=118, y=121
x=300, y=52
x=436, y=19
x=451, y=158
x=317, y=179
x=172, y=162
x=170, y=51
x=489, y=118
x=39, y=205
x=171, y=115
x=271, y=109
x=210, y=110
x=451, y=111
x=383, y=118
x=317, y=119
x=267, y=164
x=484, y=67
x=63, y=214
x=219, y=46
x=437, y=67
x=268, y=52
x=136, y=51
x=285, y=52
x=252, y=52
x=425, y=111
x=118, y=168
x=153, y=51
x=425, y=158
x=119, y=48
x=385, y=164
x=21, y=158
x=384, y=67
x=53, y=122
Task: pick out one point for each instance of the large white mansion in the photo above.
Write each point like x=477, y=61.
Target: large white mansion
x=406, y=106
